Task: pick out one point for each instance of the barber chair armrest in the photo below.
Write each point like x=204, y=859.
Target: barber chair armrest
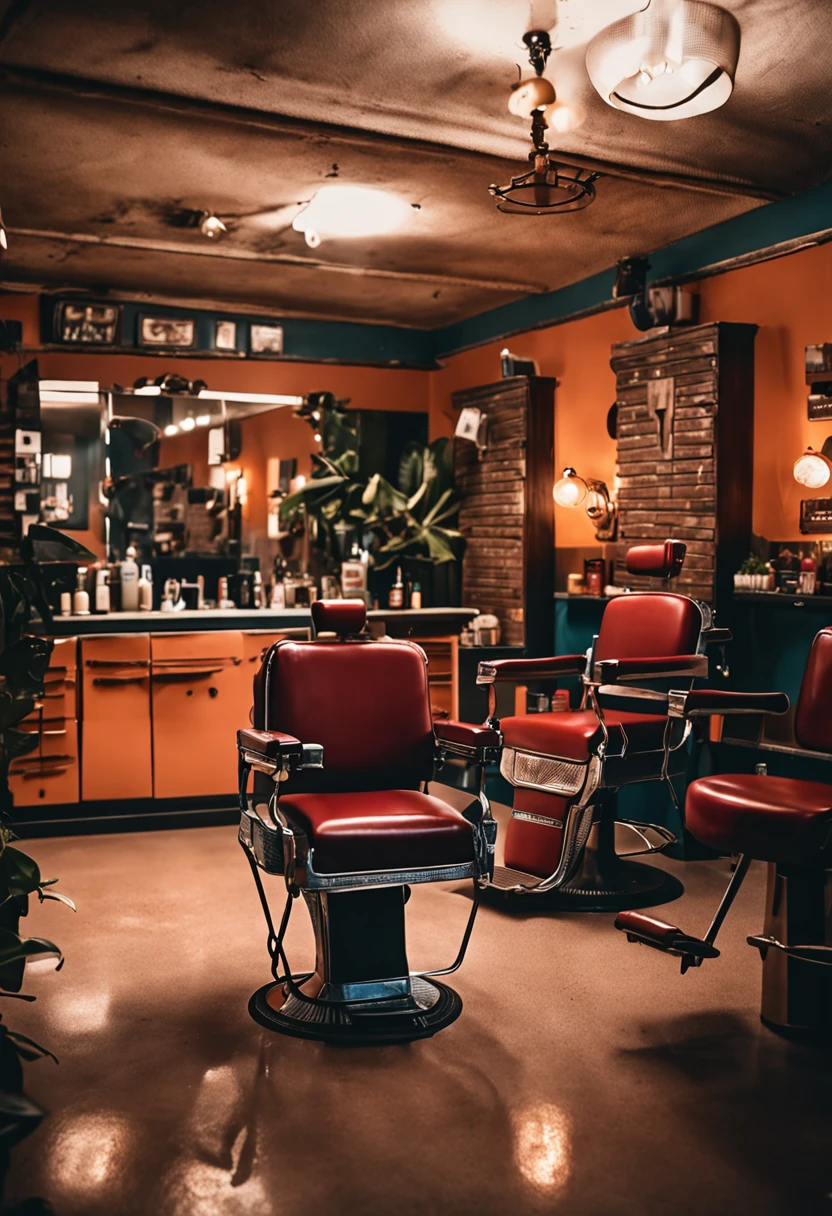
x=716, y=636
x=270, y=744
x=270, y=751
x=494, y=671
x=704, y=702
x=621, y=671
x=476, y=744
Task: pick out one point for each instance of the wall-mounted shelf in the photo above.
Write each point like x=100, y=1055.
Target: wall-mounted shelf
x=780, y=599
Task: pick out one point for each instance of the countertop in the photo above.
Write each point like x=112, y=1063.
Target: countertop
x=416, y=622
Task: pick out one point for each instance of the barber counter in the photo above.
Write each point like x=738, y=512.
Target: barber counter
x=135, y=718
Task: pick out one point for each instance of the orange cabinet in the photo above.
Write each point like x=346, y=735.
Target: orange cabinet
x=201, y=693
x=49, y=774
x=117, y=757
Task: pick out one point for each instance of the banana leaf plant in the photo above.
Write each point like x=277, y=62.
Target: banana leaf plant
x=24, y=659
x=409, y=520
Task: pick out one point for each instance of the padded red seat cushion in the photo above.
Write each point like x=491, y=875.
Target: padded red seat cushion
x=572, y=734
x=379, y=830
x=770, y=818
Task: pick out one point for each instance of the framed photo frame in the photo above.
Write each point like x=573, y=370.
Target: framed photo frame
x=78, y=323
x=265, y=339
x=225, y=335
x=173, y=333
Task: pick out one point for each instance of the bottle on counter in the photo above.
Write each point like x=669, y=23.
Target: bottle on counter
x=278, y=594
x=354, y=574
x=396, y=596
x=130, y=582
x=102, y=591
x=114, y=583
x=416, y=596
x=146, y=590
x=257, y=591
x=81, y=599
x=66, y=603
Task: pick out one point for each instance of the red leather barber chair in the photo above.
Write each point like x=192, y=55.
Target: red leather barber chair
x=343, y=730
x=567, y=768
x=784, y=821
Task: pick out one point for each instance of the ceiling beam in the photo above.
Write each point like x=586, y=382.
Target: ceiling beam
x=38, y=79
x=227, y=252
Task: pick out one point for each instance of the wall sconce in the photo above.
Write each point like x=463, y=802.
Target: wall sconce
x=572, y=490
x=813, y=469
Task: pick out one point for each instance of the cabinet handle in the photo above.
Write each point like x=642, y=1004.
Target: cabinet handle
x=118, y=662
x=27, y=761
x=219, y=663
x=112, y=681
x=172, y=676
x=42, y=774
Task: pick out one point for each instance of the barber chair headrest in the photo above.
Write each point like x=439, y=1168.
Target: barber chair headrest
x=339, y=616
x=657, y=561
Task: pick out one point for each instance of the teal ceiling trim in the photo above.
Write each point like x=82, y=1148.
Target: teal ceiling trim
x=752, y=232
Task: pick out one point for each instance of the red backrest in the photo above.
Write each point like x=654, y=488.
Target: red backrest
x=813, y=718
x=647, y=625
x=658, y=561
x=365, y=702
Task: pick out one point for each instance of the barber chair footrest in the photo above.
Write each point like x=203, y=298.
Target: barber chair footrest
x=431, y=1007
x=660, y=935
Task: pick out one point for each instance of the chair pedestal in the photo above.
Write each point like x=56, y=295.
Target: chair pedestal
x=361, y=990
x=797, y=995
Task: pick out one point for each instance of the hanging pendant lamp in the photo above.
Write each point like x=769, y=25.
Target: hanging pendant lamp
x=674, y=59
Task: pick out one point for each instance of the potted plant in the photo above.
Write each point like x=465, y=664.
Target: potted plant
x=24, y=658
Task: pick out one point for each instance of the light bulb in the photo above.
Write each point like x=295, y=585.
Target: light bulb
x=312, y=238
x=171, y=430
x=203, y=419
x=570, y=491
x=187, y=424
x=317, y=437
x=212, y=227
x=812, y=470
x=565, y=116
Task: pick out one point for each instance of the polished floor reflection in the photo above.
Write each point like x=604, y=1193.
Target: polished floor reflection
x=584, y=1076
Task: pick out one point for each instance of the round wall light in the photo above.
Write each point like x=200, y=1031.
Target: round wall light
x=570, y=490
x=673, y=59
x=812, y=469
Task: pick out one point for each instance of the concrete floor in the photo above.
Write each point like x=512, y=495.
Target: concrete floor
x=585, y=1075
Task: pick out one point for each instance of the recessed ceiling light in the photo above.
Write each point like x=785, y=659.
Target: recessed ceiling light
x=350, y=211
x=673, y=59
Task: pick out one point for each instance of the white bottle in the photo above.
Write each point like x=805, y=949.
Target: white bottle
x=102, y=591
x=130, y=583
x=146, y=590
x=81, y=601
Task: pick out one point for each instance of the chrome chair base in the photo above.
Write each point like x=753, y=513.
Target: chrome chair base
x=797, y=995
x=428, y=1008
x=604, y=882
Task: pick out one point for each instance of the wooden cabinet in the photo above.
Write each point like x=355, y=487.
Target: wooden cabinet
x=49, y=775
x=117, y=755
x=685, y=431
x=443, y=675
x=507, y=513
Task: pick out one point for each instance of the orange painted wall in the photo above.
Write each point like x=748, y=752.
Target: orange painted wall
x=790, y=299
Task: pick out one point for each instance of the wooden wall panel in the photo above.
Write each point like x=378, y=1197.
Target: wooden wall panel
x=685, y=403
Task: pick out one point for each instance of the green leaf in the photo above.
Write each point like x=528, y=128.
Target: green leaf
x=28, y=1048
x=57, y=895
x=19, y=873
x=44, y=544
x=19, y=1107
x=411, y=468
x=436, y=508
x=13, y=947
x=17, y=742
x=437, y=548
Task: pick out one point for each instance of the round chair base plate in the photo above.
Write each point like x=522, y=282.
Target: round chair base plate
x=433, y=1007
x=624, y=886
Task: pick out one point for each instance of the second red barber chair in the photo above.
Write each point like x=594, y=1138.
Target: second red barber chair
x=567, y=768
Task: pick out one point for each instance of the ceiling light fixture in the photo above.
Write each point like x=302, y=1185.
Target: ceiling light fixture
x=345, y=212
x=571, y=490
x=673, y=59
x=212, y=226
x=4, y=240
x=549, y=186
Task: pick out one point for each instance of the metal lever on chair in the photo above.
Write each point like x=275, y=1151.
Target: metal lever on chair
x=661, y=935
x=822, y=955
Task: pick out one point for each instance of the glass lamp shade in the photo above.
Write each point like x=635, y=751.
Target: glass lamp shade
x=812, y=470
x=673, y=59
x=350, y=211
x=570, y=490
x=564, y=116
x=531, y=95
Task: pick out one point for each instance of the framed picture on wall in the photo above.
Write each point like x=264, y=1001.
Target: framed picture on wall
x=225, y=335
x=266, y=340
x=80, y=324
x=172, y=332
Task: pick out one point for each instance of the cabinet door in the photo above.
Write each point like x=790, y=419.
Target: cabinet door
x=48, y=775
x=201, y=694
x=115, y=721
x=59, y=685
